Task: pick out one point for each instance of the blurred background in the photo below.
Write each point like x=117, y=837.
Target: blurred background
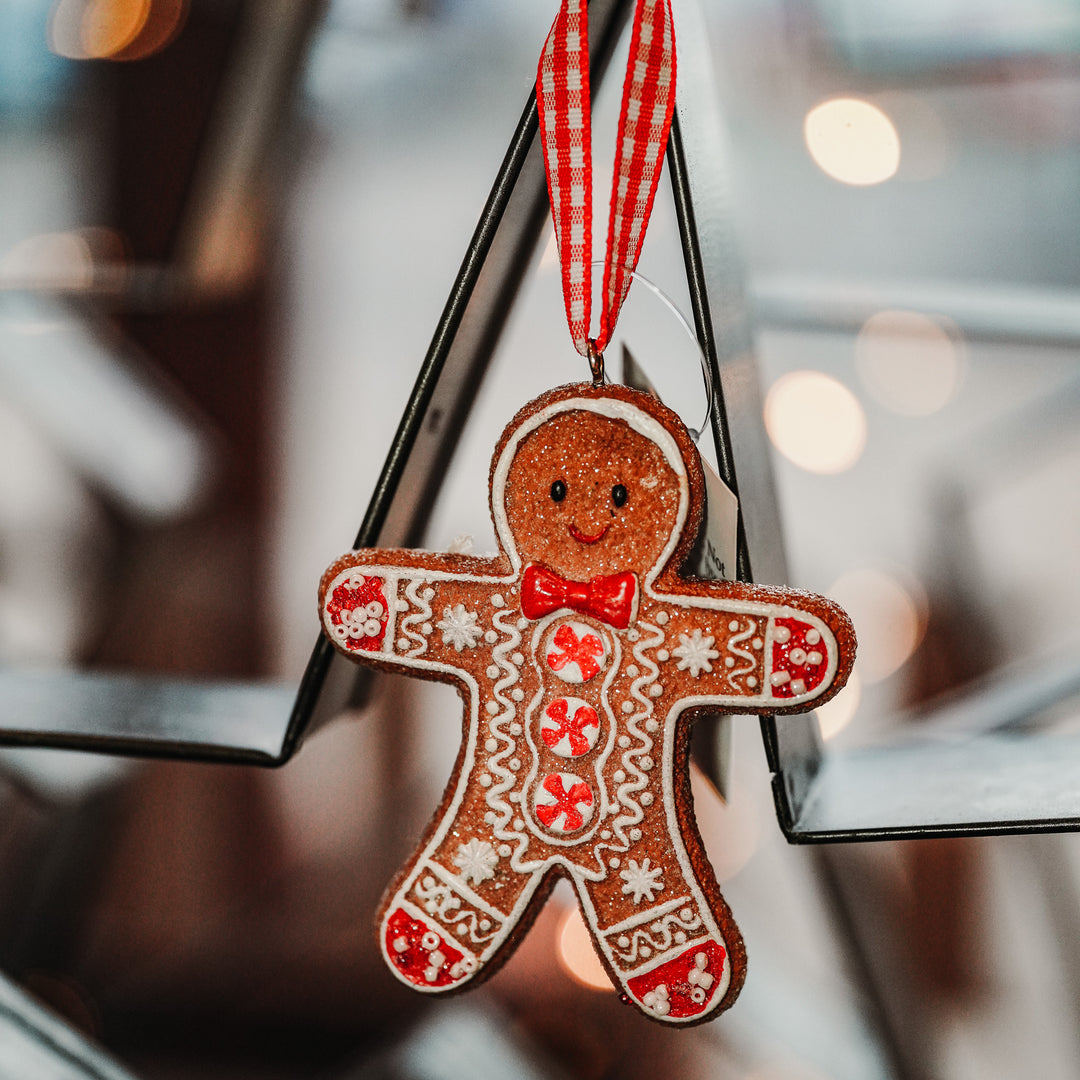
x=227, y=231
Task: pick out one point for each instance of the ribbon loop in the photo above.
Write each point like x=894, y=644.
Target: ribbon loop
x=562, y=95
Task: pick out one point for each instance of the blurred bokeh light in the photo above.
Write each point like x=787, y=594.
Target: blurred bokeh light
x=852, y=141
x=815, y=421
x=910, y=362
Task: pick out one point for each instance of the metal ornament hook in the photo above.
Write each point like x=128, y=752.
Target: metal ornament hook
x=596, y=362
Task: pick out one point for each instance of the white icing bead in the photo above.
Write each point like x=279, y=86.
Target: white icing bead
x=437, y=958
x=515, y=764
x=635, y=834
x=661, y=617
x=646, y=952
x=756, y=643
x=751, y=681
x=401, y=605
x=798, y=686
x=812, y=637
x=686, y=914
x=490, y=817
x=618, y=776
x=813, y=657
x=613, y=863
x=400, y=944
x=733, y=625
x=518, y=823
x=517, y=693
x=632, y=634
x=493, y=671
x=518, y=659
x=627, y=706
x=491, y=637
x=485, y=781
x=646, y=763
x=779, y=678
x=504, y=851
x=497, y=600
x=425, y=629
x=523, y=624
x=729, y=661
x=428, y=593
x=624, y=741
x=701, y=961
x=515, y=728
x=646, y=798
x=492, y=707
x=662, y=655
x=491, y=745
x=402, y=643
x=679, y=936
x=652, y=724
x=605, y=834
x=623, y=942
x=656, y=690
x=632, y=671
x=797, y=657
x=485, y=924
x=431, y=974
x=782, y=634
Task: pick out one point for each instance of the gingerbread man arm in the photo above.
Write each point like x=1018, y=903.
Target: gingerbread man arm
x=752, y=648
x=412, y=610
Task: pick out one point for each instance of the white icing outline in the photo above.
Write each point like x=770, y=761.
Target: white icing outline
x=416, y=619
x=744, y=654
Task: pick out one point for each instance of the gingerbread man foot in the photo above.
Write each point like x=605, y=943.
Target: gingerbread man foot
x=581, y=655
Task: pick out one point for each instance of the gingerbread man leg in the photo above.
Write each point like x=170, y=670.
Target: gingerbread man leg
x=448, y=917
x=660, y=923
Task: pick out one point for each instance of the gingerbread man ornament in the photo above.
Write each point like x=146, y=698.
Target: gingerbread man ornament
x=581, y=655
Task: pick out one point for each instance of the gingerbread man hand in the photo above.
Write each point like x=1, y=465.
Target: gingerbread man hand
x=581, y=655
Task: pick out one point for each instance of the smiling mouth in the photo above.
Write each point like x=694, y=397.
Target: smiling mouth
x=585, y=538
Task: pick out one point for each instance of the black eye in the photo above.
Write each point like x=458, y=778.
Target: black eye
x=618, y=494
x=558, y=490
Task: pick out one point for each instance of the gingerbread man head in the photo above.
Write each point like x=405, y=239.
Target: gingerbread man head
x=592, y=481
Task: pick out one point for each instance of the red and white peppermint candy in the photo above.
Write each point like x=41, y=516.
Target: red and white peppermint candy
x=569, y=727
x=575, y=652
x=564, y=802
x=562, y=96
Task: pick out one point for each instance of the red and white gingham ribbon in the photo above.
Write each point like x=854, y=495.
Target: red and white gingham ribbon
x=562, y=94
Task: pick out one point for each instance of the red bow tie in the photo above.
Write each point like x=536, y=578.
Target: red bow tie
x=609, y=599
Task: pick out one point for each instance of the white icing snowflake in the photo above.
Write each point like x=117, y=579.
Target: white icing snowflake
x=459, y=627
x=641, y=881
x=476, y=860
x=695, y=653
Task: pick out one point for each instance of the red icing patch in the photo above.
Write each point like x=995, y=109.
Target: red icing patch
x=679, y=992
x=352, y=609
x=406, y=945
x=783, y=660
